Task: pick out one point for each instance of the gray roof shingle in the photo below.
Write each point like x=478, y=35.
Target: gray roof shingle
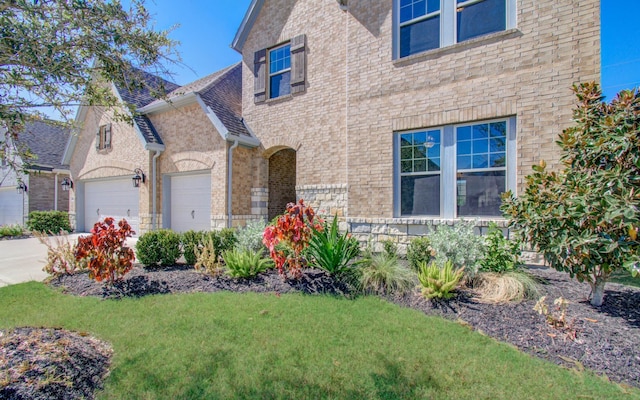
x=142, y=96
x=47, y=140
x=224, y=96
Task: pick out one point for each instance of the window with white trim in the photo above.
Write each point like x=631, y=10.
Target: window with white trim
x=423, y=25
x=454, y=171
x=280, y=71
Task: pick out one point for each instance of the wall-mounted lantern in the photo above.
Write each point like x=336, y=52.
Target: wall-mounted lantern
x=66, y=184
x=21, y=188
x=139, y=176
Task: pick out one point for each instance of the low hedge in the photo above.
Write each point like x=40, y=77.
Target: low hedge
x=161, y=247
x=51, y=222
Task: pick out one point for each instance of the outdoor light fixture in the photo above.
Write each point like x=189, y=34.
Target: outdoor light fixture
x=21, y=188
x=66, y=184
x=139, y=176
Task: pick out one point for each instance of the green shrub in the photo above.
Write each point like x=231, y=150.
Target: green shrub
x=584, y=216
x=458, y=244
x=249, y=237
x=500, y=254
x=51, y=222
x=330, y=251
x=418, y=251
x=11, y=230
x=245, y=263
x=190, y=241
x=382, y=274
x=390, y=248
x=222, y=240
x=439, y=282
x=161, y=247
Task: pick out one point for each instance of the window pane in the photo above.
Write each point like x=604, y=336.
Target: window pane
x=406, y=139
x=481, y=18
x=480, y=146
x=463, y=133
x=480, y=161
x=406, y=153
x=280, y=85
x=419, y=8
x=464, y=147
x=433, y=6
x=407, y=166
x=498, y=129
x=464, y=162
x=419, y=152
x=420, y=195
x=481, y=131
x=434, y=164
x=479, y=193
x=497, y=160
x=420, y=36
x=420, y=165
x=497, y=145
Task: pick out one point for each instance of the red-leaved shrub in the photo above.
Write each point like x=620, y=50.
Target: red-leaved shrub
x=108, y=258
x=290, y=236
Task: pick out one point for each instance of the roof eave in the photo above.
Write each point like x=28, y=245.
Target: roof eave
x=246, y=25
x=175, y=102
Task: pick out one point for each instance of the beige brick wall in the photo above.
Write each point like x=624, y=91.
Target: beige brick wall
x=526, y=72
x=41, y=189
x=282, y=181
x=126, y=154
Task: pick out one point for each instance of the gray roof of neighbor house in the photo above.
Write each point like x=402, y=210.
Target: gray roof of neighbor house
x=142, y=96
x=47, y=140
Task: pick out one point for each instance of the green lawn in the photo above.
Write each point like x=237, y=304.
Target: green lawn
x=228, y=345
x=624, y=277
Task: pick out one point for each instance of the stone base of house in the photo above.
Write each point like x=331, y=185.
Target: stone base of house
x=220, y=221
x=326, y=200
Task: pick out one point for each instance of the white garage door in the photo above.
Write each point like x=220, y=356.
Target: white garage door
x=111, y=198
x=191, y=202
x=10, y=206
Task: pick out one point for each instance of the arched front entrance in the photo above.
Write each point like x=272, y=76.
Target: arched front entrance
x=282, y=181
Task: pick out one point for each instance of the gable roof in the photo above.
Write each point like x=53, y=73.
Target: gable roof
x=246, y=25
x=142, y=96
x=47, y=140
x=220, y=97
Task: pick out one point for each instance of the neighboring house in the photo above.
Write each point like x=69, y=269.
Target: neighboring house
x=41, y=187
x=403, y=114
x=180, y=149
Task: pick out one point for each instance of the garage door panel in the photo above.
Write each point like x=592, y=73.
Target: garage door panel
x=113, y=198
x=191, y=202
x=11, y=206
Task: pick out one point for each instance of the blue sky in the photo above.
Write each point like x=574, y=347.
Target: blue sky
x=207, y=28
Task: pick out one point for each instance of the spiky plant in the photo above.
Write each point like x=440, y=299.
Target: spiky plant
x=439, y=282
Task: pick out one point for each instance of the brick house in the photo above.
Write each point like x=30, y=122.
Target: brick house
x=41, y=186
x=172, y=167
x=398, y=115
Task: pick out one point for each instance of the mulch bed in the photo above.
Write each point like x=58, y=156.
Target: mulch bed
x=607, y=339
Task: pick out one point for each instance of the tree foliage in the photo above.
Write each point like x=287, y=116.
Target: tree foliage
x=58, y=54
x=584, y=217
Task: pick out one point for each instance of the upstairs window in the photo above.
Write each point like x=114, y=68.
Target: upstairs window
x=280, y=71
x=423, y=25
x=103, y=137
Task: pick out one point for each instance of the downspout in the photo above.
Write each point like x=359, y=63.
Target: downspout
x=230, y=183
x=155, y=188
x=55, y=193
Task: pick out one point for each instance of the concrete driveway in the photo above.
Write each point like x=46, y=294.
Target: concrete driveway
x=22, y=260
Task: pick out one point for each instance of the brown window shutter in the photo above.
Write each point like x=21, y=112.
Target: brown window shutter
x=99, y=139
x=107, y=136
x=260, y=77
x=298, y=64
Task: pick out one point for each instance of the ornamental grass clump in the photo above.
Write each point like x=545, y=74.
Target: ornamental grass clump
x=206, y=258
x=382, y=273
x=61, y=259
x=439, y=282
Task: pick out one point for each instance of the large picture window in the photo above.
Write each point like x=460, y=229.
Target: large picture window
x=456, y=170
x=423, y=25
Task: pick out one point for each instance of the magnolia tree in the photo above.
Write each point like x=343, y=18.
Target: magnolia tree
x=57, y=54
x=584, y=217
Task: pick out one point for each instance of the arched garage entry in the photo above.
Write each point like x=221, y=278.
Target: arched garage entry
x=282, y=181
